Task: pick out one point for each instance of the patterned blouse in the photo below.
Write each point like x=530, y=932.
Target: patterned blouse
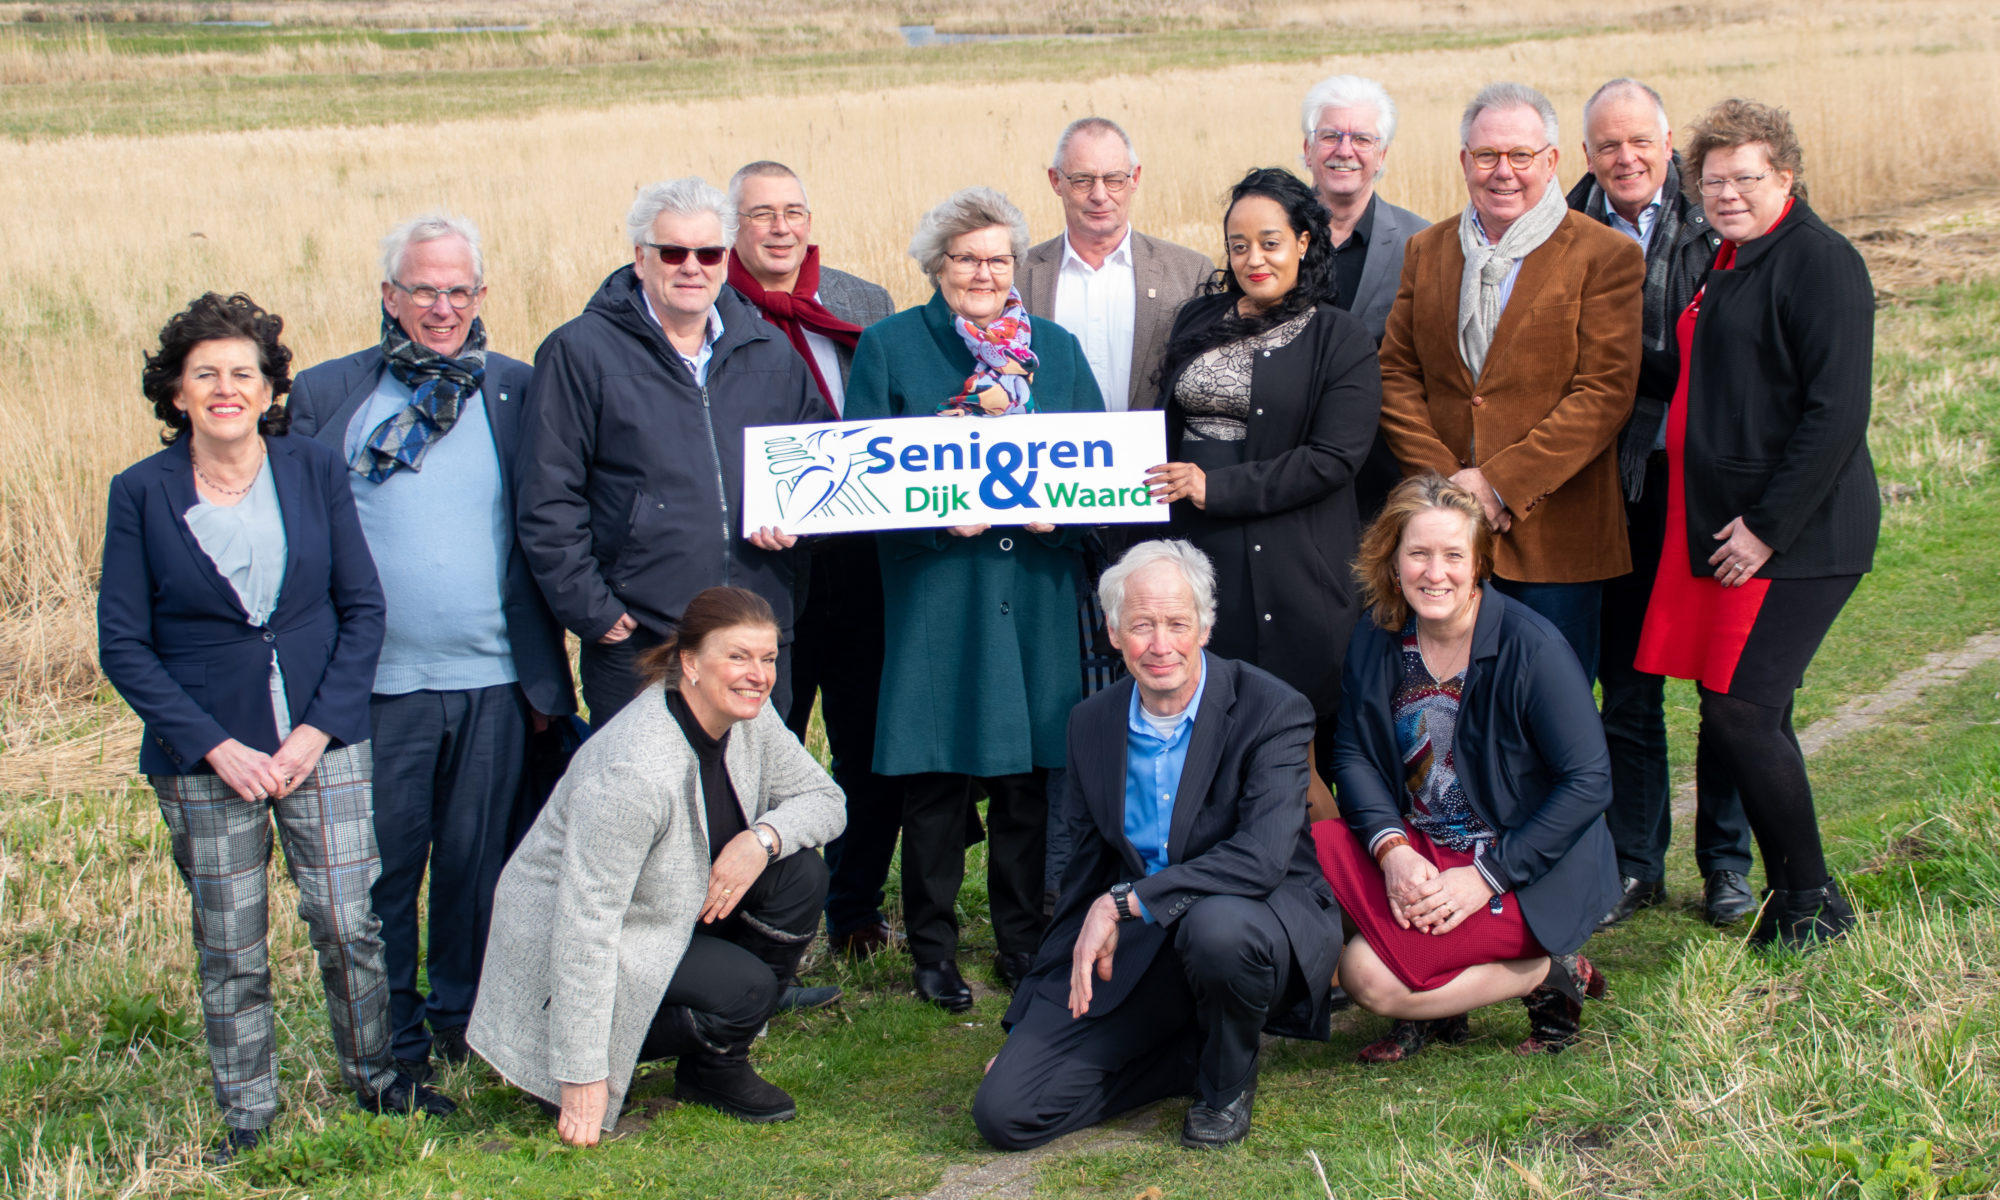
x=1425, y=711
x=1214, y=391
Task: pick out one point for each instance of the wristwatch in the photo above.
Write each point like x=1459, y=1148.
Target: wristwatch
x=1121, y=898
x=770, y=843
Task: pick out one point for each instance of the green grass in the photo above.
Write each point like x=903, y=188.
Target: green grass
x=245, y=101
x=1710, y=1072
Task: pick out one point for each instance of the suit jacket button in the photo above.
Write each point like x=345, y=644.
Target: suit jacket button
x=269, y=636
x=1478, y=400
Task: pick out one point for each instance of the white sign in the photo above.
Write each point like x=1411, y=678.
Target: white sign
x=925, y=472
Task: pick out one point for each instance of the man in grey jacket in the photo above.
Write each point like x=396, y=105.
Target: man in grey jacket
x=1634, y=186
x=838, y=650
x=631, y=486
x=1349, y=122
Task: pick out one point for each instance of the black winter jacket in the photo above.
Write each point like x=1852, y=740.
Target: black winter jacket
x=1530, y=754
x=1778, y=396
x=631, y=486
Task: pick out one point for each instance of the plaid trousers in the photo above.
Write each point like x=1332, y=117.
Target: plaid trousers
x=222, y=846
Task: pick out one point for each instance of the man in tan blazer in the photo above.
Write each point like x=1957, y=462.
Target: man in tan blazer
x=1512, y=376
x=1113, y=287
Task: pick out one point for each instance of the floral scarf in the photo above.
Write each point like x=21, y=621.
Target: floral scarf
x=1004, y=365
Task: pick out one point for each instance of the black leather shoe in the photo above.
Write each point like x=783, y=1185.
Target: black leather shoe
x=1337, y=999
x=1726, y=898
x=728, y=1083
x=404, y=1096
x=1207, y=1128
x=449, y=1044
x=1013, y=968
x=941, y=984
x=1634, y=894
x=802, y=999
x=232, y=1143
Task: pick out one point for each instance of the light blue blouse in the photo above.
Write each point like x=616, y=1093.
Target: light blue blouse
x=246, y=542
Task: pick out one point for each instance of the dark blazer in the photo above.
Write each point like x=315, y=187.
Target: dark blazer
x=1778, y=400
x=855, y=301
x=1164, y=276
x=1530, y=755
x=175, y=642
x=1383, y=268
x=323, y=402
x=1314, y=406
x=1239, y=829
x=1542, y=419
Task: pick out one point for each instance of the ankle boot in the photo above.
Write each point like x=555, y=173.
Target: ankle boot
x=1555, y=1009
x=1808, y=919
x=727, y=1082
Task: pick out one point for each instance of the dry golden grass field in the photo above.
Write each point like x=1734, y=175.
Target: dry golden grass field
x=1898, y=105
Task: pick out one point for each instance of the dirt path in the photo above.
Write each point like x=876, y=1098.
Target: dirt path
x=1006, y=1176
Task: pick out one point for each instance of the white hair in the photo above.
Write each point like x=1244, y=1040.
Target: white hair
x=1092, y=125
x=1509, y=95
x=1194, y=566
x=1630, y=89
x=431, y=227
x=1350, y=91
x=763, y=168
x=687, y=197
x=962, y=212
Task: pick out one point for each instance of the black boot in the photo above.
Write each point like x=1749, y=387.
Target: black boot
x=1808, y=919
x=727, y=1082
x=1555, y=1009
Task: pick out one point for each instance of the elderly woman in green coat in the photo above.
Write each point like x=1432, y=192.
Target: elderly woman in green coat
x=984, y=656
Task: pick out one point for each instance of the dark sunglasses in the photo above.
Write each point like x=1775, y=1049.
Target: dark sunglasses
x=674, y=256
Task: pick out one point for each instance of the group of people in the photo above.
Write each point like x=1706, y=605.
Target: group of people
x=1325, y=734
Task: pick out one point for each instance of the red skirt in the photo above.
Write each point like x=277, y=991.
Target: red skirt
x=1421, y=960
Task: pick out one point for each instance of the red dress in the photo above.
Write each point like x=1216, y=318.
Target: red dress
x=1695, y=628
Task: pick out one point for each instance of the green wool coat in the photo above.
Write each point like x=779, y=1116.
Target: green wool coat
x=985, y=651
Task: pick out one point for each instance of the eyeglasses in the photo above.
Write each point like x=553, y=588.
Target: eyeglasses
x=427, y=297
x=1331, y=139
x=1742, y=184
x=1083, y=185
x=764, y=218
x=969, y=264
x=1520, y=157
x=674, y=256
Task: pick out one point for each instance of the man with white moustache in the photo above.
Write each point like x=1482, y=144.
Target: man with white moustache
x=1634, y=187
x=430, y=421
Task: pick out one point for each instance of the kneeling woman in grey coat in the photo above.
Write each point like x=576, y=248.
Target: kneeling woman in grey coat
x=668, y=889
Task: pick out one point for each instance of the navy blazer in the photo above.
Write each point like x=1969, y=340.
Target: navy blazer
x=177, y=644
x=1239, y=828
x=1530, y=755
x=323, y=402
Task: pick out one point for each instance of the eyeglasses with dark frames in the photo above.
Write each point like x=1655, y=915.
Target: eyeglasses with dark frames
x=674, y=256
x=970, y=263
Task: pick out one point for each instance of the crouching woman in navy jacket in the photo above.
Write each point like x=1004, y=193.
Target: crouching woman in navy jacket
x=1473, y=780
x=240, y=617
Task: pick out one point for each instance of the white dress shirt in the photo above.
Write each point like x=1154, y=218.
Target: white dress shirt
x=1098, y=305
x=828, y=360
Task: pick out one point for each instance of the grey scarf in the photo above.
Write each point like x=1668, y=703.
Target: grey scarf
x=1486, y=268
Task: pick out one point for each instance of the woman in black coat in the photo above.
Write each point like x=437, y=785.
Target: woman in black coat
x=1272, y=398
x=1772, y=509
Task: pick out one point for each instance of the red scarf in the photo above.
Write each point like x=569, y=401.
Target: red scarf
x=796, y=311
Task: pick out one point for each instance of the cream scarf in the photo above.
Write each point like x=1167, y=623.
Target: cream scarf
x=1486, y=268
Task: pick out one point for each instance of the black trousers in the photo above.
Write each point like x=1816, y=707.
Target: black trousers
x=937, y=809
x=1191, y=1025
x=1635, y=722
x=447, y=774
x=610, y=675
x=730, y=978
x=837, y=652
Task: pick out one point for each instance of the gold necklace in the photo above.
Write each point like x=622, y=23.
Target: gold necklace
x=218, y=488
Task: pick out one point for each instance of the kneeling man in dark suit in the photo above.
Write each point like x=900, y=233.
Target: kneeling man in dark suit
x=1193, y=913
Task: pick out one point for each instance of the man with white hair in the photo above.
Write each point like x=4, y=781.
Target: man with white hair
x=1510, y=359
x=1634, y=187
x=429, y=421
x=1193, y=915
x=1113, y=287
x=631, y=487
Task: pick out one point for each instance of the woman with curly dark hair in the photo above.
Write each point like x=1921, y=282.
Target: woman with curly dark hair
x=1272, y=396
x=240, y=617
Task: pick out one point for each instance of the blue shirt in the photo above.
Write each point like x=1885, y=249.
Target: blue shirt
x=440, y=537
x=1641, y=233
x=1153, y=776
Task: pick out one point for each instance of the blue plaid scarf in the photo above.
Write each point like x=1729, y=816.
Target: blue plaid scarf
x=440, y=385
